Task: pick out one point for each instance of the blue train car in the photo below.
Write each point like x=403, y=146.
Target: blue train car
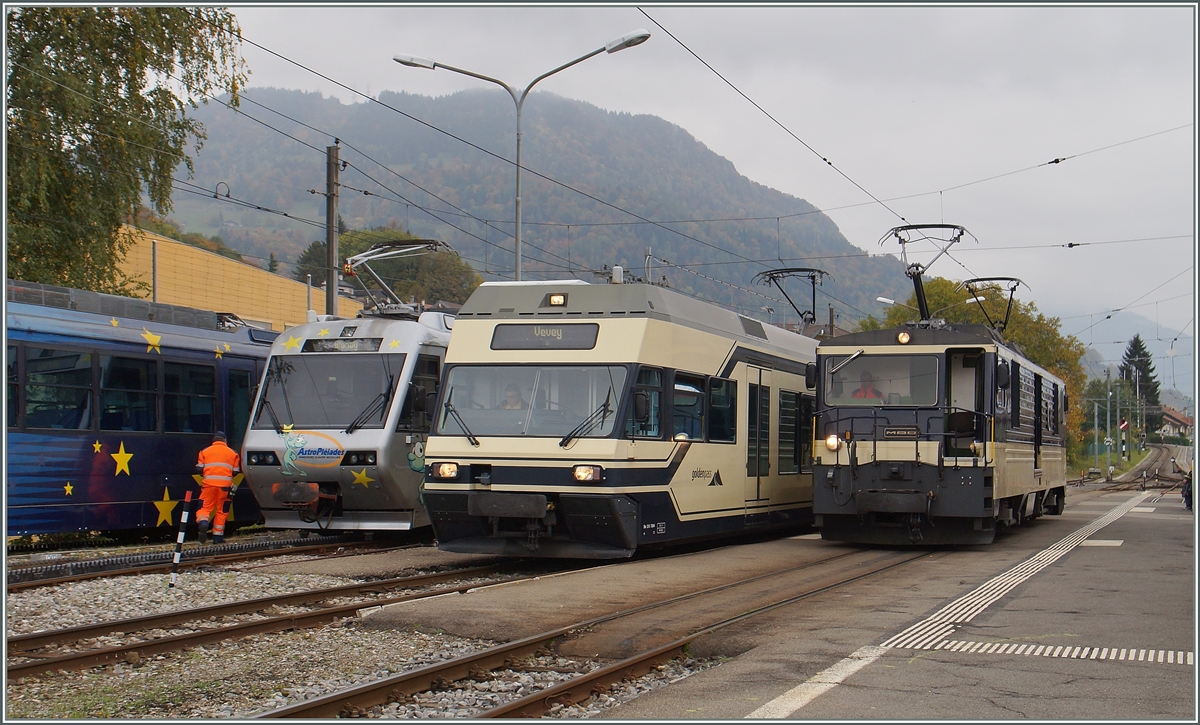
x=109, y=401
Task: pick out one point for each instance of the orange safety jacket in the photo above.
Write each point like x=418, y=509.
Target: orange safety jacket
x=219, y=463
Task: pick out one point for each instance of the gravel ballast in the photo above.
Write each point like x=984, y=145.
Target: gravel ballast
x=238, y=678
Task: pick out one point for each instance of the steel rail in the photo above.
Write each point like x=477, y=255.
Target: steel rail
x=141, y=649
x=584, y=686
x=189, y=563
x=354, y=699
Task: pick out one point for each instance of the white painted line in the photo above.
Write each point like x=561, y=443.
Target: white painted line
x=818, y=684
x=805, y=537
x=1102, y=542
x=1142, y=510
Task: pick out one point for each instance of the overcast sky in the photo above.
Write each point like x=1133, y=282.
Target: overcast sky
x=901, y=100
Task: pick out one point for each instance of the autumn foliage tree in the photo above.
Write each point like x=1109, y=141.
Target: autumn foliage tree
x=436, y=276
x=96, y=114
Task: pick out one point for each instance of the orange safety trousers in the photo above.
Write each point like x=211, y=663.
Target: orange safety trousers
x=219, y=463
x=212, y=507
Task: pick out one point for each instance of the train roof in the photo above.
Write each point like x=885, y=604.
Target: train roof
x=948, y=335
x=530, y=301
x=37, y=308
x=403, y=334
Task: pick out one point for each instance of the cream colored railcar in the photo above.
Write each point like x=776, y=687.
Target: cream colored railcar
x=934, y=435
x=580, y=420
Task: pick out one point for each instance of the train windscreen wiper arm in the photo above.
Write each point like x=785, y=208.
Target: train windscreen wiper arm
x=846, y=362
x=369, y=411
x=271, y=412
x=449, y=407
x=588, y=422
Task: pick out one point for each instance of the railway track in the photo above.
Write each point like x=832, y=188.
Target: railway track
x=662, y=630
x=34, y=656
x=27, y=577
x=1154, y=469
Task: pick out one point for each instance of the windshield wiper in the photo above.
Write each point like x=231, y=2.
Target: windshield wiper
x=449, y=408
x=369, y=411
x=589, y=422
x=845, y=362
x=372, y=407
x=271, y=412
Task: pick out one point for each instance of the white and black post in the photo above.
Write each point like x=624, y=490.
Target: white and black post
x=183, y=521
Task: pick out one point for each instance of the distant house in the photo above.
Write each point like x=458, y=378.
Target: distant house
x=1176, y=423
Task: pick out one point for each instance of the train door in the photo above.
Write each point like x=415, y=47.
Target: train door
x=965, y=400
x=237, y=413
x=425, y=378
x=758, y=434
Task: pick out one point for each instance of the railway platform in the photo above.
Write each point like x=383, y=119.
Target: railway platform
x=1088, y=616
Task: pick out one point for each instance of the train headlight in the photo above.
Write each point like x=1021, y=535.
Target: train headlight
x=833, y=442
x=903, y=338
x=359, y=458
x=444, y=470
x=587, y=474
x=261, y=458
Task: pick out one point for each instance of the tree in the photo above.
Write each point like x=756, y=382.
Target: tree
x=1036, y=335
x=1138, y=371
x=96, y=114
x=427, y=277
x=312, y=261
x=272, y=264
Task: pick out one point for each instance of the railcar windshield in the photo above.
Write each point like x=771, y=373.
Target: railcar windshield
x=880, y=380
x=579, y=401
x=328, y=390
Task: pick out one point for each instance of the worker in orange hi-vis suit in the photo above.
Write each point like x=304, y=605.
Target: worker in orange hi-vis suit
x=218, y=464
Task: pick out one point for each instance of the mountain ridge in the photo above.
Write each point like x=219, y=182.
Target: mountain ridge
x=650, y=167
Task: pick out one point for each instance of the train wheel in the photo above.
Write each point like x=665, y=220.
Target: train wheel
x=1060, y=501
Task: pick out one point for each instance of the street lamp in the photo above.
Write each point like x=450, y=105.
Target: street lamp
x=636, y=37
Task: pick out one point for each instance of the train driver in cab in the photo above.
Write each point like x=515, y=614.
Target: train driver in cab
x=512, y=398
x=867, y=387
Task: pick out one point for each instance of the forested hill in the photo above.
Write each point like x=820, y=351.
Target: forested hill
x=610, y=168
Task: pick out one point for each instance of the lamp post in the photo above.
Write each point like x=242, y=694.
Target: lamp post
x=637, y=37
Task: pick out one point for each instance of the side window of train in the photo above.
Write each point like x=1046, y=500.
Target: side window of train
x=425, y=379
x=189, y=400
x=128, y=393
x=804, y=433
x=789, y=432
x=1014, y=392
x=58, y=388
x=645, y=410
x=687, y=409
x=758, y=430
x=14, y=387
x=722, y=410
